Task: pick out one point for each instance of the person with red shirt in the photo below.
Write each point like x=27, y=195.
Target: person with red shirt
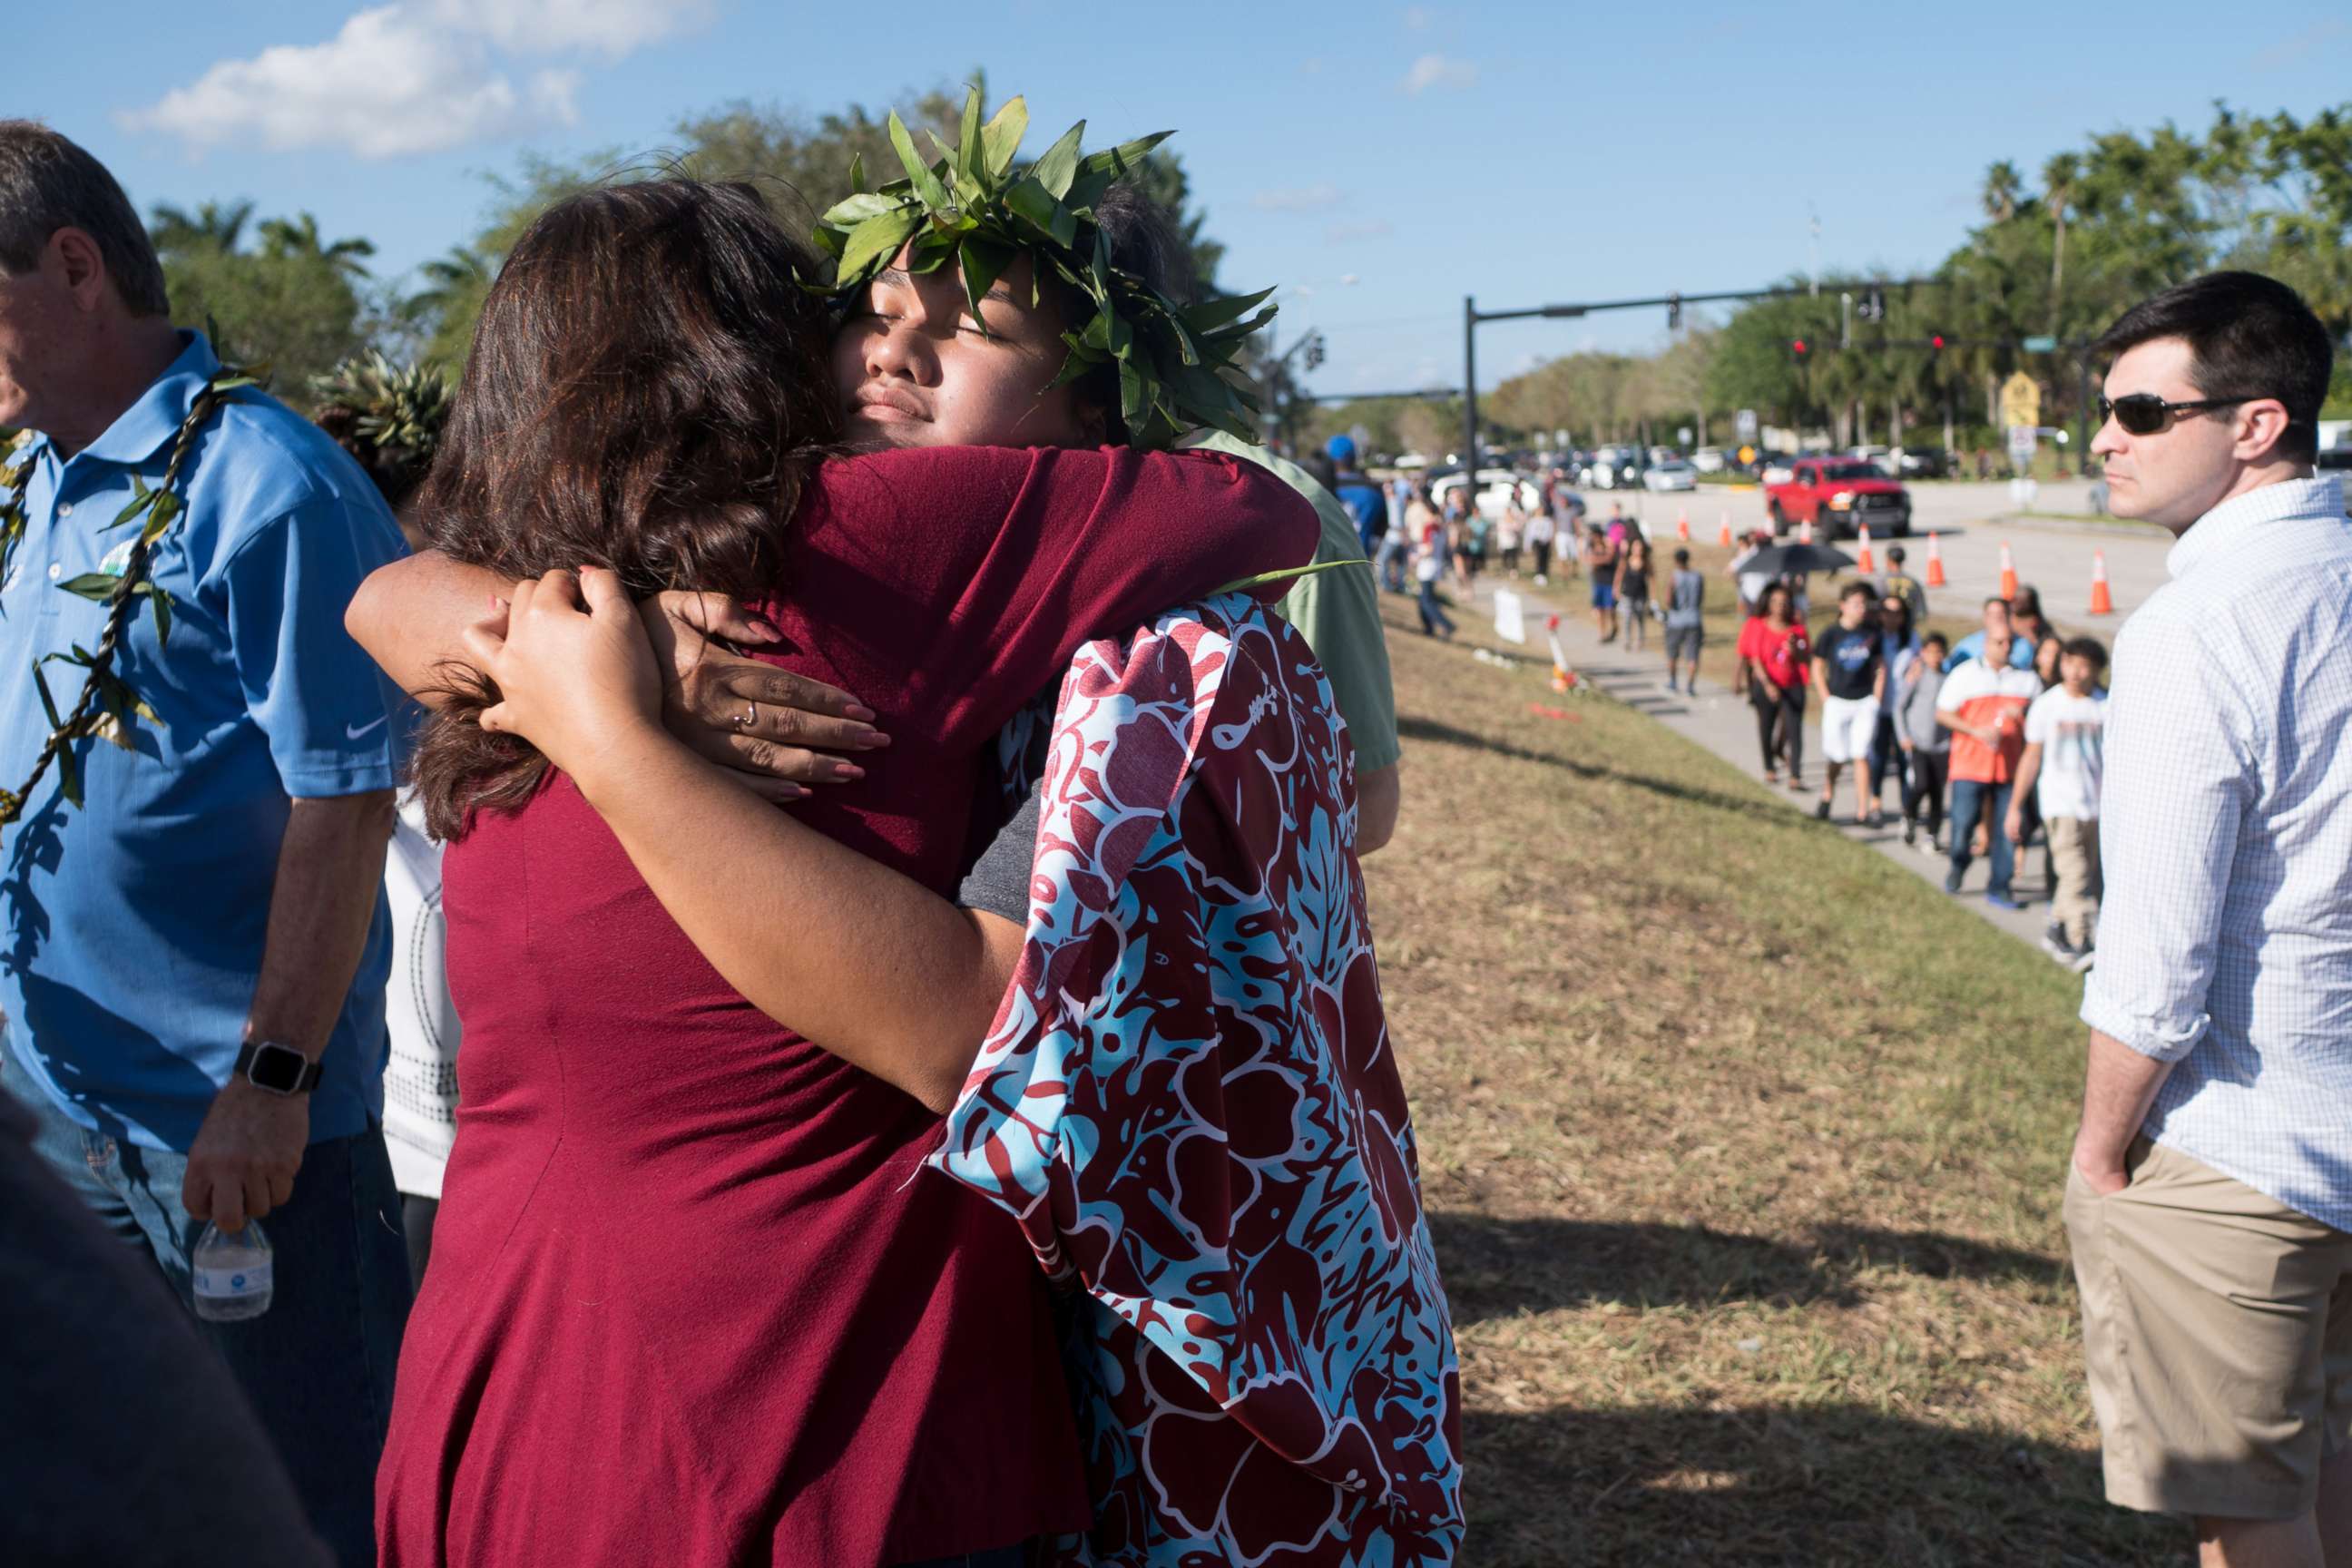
x=1775, y=654
x=1983, y=704
x=688, y=1301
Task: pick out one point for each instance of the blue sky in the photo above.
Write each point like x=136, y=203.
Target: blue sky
x=1378, y=162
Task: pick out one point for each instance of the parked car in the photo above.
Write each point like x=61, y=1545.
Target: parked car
x=1614, y=467
x=1677, y=474
x=1921, y=463
x=1837, y=495
x=1495, y=488
x=1710, y=461
x=1778, y=469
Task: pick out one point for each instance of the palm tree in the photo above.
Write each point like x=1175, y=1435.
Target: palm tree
x=2059, y=178
x=210, y=226
x=2001, y=184
x=299, y=236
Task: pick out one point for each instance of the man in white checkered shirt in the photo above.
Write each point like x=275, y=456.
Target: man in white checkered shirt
x=2210, y=1196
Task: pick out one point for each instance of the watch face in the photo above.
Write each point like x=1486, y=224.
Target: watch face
x=277, y=1069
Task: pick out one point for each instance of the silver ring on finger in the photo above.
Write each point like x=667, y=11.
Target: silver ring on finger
x=748, y=717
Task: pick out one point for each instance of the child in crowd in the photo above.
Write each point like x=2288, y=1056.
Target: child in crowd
x=1633, y=591
x=1428, y=571
x=1850, y=674
x=1685, y=622
x=1508, y=533
x=1926, y=744
x=2064, y=735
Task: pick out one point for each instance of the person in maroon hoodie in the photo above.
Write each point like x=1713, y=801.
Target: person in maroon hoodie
x=686, y=1301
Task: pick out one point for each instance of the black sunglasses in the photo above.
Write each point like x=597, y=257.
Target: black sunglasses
x=2145, y=414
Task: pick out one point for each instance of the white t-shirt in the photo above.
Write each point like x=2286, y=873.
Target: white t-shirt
x=2070, y=730
x=420, y=1079
x=1429, y=568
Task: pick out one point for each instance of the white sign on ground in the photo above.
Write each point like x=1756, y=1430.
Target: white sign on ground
x=1510, y=618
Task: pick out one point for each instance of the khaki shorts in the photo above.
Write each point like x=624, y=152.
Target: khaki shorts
x=2217, y=1323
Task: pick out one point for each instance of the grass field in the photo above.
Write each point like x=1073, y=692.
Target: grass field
x=1743, y=1152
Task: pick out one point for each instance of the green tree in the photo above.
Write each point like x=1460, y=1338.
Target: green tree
x=292, y=303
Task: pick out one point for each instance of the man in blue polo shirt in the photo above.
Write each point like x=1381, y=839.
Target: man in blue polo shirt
x=194, y=955
x=1365, y=502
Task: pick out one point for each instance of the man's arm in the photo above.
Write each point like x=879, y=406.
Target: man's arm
x=410, y=616
x=1379, y=796
x=2118, y=1091
x=2029, y=772
x=330, y=866
x=2181, y=773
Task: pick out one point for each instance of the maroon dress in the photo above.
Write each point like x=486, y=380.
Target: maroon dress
x=692, y=1300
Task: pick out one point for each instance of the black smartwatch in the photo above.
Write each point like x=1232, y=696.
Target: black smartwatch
x=278, y=1069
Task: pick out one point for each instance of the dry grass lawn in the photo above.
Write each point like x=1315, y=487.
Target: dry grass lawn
x=1744, y=1154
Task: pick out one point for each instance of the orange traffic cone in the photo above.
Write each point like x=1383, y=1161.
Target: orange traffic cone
x=1561, y=677
x=1682, y=526
x=2008, y=574
x=2103, y=603
x=1865, y=563
x=1935, y=563
x=1723, y=535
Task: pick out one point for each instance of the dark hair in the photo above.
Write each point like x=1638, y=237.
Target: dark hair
x=1895, y=554
x=2026, y=601
x=2249, y=336
x=1997, y=599
x=1936, y=639
x=2090, y=648
x=1144, y=242
x=1901, y=606
x=1857, y=589
x=648, y=384
x=1682, y=557
x=1764, y=599
x=47, y=184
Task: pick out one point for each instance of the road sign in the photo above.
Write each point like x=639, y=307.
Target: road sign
x=1683, y=434
x=1746, y=456
x=1745, y=422
x=1510, y=616
x=2040, y=345
x=2022, y=439
x=2020, y=401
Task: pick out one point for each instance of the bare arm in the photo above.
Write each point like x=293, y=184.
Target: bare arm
x=2117, y=1090
x=410, y=616
x=330, y=866
x=1379, y=796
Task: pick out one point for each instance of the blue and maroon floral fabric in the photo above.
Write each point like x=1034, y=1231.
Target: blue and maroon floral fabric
x=1190, y=1104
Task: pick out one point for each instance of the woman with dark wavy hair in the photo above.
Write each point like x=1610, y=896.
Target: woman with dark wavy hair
x=687, y=1301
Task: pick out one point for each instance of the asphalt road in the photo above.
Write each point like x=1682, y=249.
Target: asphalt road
x=1971, y=522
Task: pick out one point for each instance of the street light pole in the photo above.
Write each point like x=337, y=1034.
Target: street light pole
x=1470, y=389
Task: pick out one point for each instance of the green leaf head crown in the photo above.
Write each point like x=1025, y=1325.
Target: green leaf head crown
x=975, y=206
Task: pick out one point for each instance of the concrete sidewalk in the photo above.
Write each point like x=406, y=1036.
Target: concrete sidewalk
x=1726, y=725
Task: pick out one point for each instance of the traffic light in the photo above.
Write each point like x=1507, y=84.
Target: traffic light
x=1873, y=305
x=1935, y=342
x=1798, y=350
x=1674, y=312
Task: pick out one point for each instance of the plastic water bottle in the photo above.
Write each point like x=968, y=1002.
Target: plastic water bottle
x=232, y=1273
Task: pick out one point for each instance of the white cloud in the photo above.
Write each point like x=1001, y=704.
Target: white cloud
x=1303, y=199
x=610, y=28
x=411, y=77
x=1436, y=70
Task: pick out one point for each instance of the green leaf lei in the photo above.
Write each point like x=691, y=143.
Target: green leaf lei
x=107, y=708
x=1175, y=362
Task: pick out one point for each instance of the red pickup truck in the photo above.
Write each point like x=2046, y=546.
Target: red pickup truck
x=1837, y=495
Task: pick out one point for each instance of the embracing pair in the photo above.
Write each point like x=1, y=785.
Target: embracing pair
x=711, y=1280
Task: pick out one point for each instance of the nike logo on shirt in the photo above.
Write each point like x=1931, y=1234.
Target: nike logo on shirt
x=353, y=732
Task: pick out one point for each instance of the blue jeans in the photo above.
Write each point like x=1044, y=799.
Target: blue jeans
x=1389, y=564
x=1432, y=614
x=1970, y=798
x=317, y=1367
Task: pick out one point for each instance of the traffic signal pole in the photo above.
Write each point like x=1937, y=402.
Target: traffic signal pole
x=1672, y=303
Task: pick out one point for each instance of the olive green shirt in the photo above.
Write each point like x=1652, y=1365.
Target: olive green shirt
x=1337, y=613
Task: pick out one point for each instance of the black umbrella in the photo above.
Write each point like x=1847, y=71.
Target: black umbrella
x=1798, y=560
